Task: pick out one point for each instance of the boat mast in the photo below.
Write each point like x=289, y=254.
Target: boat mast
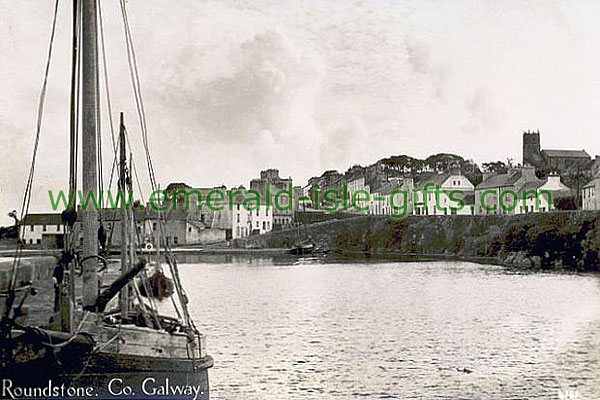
x=124, y=294
x=89, y=120
x=68, y=291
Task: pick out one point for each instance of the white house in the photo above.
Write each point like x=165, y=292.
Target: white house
x=530, y=198
x=246, y=221
x=42, y=229
x=503, y=193
x=261, y=220
x=362, y=201
x=241, y=222
x=454, y=188
x=590, y=195
x=382, y=203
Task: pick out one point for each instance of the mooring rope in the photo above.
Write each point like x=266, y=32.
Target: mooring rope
x=28, y=187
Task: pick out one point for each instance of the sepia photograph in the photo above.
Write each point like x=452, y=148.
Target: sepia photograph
x=300, y=200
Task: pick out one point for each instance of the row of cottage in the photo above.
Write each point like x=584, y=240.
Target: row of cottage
x=515, y=192
x=518, y=191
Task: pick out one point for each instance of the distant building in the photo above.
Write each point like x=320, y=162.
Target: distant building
x=175, y=227
x=283, y=216
x=590, y=195
x=505, y=193
x=554, y=160
x=426, y=202
x=329, y=180
x=556, y=188
x=362, y=202
x=43, y=230
x=246, y=220
x=386, y=201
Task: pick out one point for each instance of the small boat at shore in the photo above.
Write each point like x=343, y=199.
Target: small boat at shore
x=304, y=247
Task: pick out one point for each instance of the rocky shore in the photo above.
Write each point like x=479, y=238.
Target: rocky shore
x=557, y=240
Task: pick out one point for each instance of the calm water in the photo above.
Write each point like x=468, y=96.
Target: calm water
x=314, y=330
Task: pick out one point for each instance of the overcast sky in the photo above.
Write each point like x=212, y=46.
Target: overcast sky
x=233, y=87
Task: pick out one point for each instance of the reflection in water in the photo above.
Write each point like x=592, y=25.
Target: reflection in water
x=285, y=328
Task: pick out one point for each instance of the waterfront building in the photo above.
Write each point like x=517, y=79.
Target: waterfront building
x=246, y=220
x=283, y=217
x=381, y=202
x=42, y=230
x=362, y=200
x=590, y=194
x=504, y=193
x=426, y=203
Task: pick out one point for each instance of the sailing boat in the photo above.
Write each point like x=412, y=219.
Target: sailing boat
x=128, y=351
x=303, y=246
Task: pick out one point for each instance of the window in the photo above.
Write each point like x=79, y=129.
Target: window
x=257, y=225
x=39, y=241
x=175, y=240
x=266, y=213
x=190, y=229
x=264, y=225
x=31, y=228
x=44, y=228
x=238, y=217
x=237, y=231
x=30, y=241
x=238, y=206
x=257, y=212
x=57, y=228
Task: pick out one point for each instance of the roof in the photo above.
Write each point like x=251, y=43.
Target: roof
x=42, y=219
x=500, y=180
x=433, y=178
x=566, y=153
x=594, y=182
x=530, y=186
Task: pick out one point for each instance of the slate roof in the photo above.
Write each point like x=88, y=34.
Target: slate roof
x=566, y=153
x=500, y=180
x=42, y=219
x=530, y=185
x=595, y=181
x=433, y=178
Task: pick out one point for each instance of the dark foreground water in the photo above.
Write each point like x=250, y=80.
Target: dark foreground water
x=302, y=329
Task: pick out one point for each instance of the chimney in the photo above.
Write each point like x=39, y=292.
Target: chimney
x=528, y=173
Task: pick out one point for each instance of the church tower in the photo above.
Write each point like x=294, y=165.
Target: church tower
x=532, y=149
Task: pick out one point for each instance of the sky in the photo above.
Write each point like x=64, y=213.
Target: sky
x=234, y=87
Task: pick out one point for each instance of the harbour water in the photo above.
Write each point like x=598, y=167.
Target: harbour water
x=322, y=329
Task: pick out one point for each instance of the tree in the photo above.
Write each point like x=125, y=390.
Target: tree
x=495, y=167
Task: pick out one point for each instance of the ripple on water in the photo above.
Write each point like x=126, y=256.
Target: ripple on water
x=395, y=330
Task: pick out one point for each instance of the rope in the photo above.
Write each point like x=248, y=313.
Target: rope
x=70, y=339
x=108, y=97
x=135, y=82
x=28, y=187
